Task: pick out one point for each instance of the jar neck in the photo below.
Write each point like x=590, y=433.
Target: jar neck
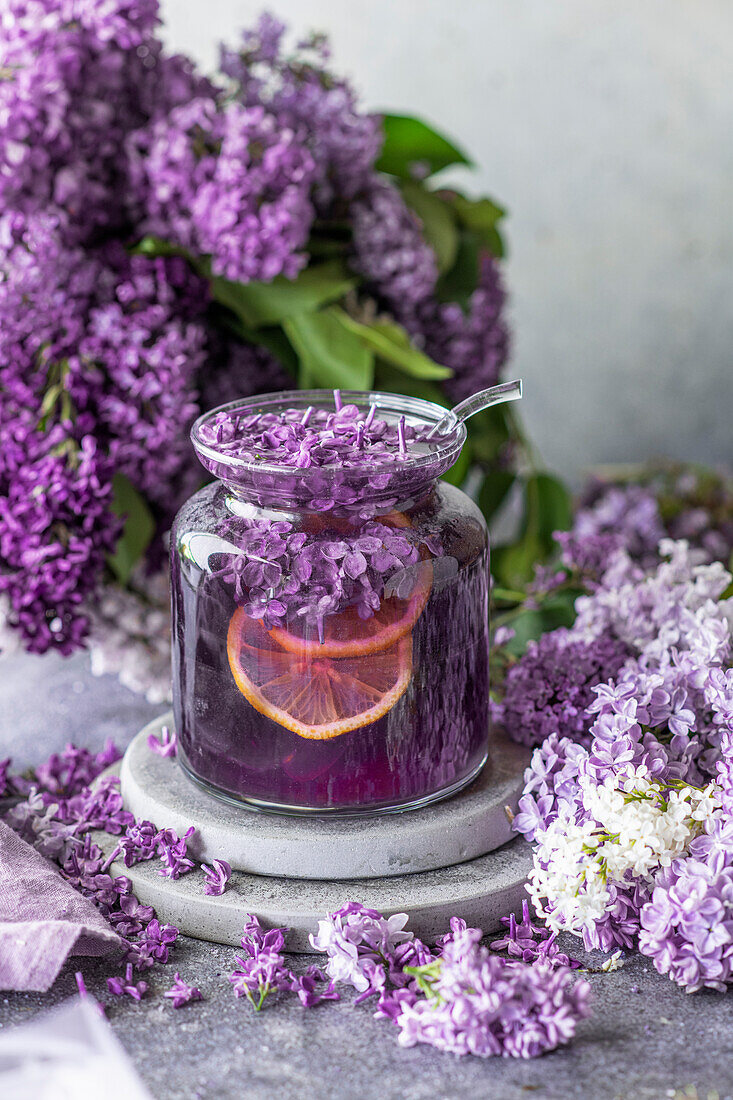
x=246, y=505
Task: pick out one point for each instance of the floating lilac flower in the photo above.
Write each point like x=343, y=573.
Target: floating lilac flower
x=181, y=993
x=216, y=877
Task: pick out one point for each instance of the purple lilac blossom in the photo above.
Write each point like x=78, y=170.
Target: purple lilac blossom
x=549, y=689
x=666, y=717
x=309, y=100
x=78, y=78
x=181, y=993
x=487, y=1006
x=262, y=970
x=227, y=181
x=120, y=986
x=627, y=518
x=166, y=744
x=216, y=877
x=355, y=938
x=389, y=249
x=474, y=344
x=530, y=942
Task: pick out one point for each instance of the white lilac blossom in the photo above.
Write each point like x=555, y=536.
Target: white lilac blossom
x=623, y=822
x=631, y=827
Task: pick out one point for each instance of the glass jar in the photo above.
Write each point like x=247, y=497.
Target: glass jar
x=330, y=624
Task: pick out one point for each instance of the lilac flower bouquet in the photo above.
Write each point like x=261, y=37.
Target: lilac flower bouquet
x=170, y=241
x=628, y=798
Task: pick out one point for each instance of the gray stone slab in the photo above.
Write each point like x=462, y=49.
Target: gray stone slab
x=645, y=1040
x=481, y=891
x=470, y=824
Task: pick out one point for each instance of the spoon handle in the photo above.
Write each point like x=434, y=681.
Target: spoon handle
x=484, y=399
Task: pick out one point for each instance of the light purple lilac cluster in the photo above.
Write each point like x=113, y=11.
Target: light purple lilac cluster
x=659, y=734
x=679, y=502
x=464, y=999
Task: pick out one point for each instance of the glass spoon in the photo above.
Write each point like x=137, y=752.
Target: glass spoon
x=484, y=399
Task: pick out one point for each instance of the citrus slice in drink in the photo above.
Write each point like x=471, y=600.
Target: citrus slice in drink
x=316, y=697
x=345, y=634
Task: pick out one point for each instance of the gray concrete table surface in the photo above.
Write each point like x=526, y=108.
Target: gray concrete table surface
x=646, y=1039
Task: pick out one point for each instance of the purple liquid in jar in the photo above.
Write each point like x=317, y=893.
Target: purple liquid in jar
x=330, y=608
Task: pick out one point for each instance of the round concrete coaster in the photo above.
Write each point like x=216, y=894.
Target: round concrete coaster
x=481, y=891
x=470, y=824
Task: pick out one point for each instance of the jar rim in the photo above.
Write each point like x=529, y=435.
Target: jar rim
x=443, y=452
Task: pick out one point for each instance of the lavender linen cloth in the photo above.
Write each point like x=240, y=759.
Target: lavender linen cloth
x=43, y=919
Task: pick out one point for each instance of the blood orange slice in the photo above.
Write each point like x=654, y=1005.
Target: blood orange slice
x=345, y=634
x=317, y=698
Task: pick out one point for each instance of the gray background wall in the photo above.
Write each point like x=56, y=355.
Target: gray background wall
x=605, y=127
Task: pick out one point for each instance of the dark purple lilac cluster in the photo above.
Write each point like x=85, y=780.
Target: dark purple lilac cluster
x=106, y=358
x=474, y=343
x=77, y=80
x=99, y=352
x=390, y=251
x=226, y=181
x=307, y=99
x=550, y=689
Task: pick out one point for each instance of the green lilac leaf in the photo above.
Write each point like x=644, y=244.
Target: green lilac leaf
x=391, y=380
x=459, y=470
x=410, y=142
x=390, y=342
x=481, y=217
x=528, y=625
x=438, y=221
x=330, y=355
x=549, y=508
x=262, y=304
x=494, y=491
x=138, y=530
x=459, y=283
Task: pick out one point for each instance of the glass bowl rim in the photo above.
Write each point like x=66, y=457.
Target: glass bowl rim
x=448, y=445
